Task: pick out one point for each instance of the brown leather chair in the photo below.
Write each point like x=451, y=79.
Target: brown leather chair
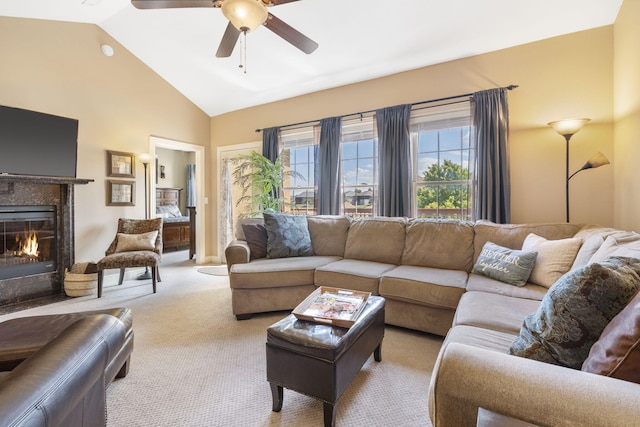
x=133, y=247
x=63, y=383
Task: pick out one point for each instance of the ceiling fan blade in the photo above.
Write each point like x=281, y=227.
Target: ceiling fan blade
x=228, y=42
x=290, y=34
x=277, y=2
x=165, y=4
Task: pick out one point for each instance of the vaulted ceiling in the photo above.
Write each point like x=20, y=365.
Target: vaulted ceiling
x=359, y=40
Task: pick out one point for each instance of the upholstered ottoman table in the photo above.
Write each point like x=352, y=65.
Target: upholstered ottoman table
x=320, y=360
x=23, y=336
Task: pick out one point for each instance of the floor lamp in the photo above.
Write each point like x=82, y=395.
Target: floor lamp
x=145, y=159
x=568, y=128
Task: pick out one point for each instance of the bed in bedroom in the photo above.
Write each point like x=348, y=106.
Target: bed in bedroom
x=178, y=228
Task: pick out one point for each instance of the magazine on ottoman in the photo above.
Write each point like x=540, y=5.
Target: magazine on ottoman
x=333, y=306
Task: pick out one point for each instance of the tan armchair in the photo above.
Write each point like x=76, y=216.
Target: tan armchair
x=138, y=243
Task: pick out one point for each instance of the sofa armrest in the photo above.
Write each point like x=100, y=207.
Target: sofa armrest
x=237, y=252
x=63, y=382
x=466, y=378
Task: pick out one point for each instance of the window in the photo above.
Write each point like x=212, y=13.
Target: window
x=359, y=158
x=299, y=149
x=442, y=152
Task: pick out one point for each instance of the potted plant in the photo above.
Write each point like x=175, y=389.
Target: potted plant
x=261, y=180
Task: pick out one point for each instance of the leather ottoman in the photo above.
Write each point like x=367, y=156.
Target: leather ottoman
x=321, y=360
x=23, y=336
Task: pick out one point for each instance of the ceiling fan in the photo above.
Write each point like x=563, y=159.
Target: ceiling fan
x=244, y=16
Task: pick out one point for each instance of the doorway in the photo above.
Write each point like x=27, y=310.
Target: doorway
x=156, y=143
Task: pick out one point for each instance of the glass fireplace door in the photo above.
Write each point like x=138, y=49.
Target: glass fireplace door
x=27, y=240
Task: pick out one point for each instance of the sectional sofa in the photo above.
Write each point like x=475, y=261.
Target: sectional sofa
x=421, y=267
x=428, y=271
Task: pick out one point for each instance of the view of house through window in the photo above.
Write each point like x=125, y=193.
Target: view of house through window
x=359, y=157
x=299, y=190
x=443, y=175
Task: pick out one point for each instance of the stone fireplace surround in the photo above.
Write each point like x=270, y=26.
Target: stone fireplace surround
x=25, y=190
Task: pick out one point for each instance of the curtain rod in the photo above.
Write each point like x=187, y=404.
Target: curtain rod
x=466, y=95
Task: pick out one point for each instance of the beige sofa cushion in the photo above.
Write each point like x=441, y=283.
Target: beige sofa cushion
x=426, y=286
x=444, y=244
x=277, y=272
x=493, y=311
x=376, y=239
x=592, y=238
x=478, y=282
x=621, y=244
x=589, y=247
x=513, y=235
x=328, y=234
x=479, y=337
x=352, y=274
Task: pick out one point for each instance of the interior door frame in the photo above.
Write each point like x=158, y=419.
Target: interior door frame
x=201, y=232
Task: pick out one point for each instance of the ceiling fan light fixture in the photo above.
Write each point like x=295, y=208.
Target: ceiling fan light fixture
x=245, y=15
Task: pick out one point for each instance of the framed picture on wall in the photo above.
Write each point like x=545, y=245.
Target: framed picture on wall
x=121, y=164
x=121, y=193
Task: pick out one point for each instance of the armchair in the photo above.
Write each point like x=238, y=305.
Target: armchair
x=138, y=243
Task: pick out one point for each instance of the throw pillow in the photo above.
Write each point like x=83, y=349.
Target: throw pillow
x=617, y=352
x=555, y=257
x=287, y=236
x=256, y=237
x=575, y=310
x=589, y=247
x=504, y=264
x=625, y=244
x=136, y=242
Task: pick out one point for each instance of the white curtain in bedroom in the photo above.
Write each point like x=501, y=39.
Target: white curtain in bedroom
x=226, y=209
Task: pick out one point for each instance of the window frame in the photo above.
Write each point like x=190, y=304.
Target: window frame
x=439, y=119
x=359, y=131
x=292, y=139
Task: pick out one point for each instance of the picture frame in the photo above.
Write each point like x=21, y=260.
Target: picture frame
x=121, y=193
x=121, y=164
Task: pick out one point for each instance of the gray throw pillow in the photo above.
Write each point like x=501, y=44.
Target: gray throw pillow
x=287, y=236
x=575, y=311
x=256, y=238
x=506, y=265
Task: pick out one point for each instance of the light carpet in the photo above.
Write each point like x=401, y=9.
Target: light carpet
x=214, y=270
x=194, y=364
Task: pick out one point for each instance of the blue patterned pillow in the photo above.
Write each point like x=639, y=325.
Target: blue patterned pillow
x=575, y=311
x=506, y=265
x=287, y=236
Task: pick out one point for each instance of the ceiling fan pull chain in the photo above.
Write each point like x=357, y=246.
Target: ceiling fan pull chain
x=243, y=52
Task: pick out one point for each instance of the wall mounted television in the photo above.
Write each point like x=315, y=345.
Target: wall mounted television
x=33, y=143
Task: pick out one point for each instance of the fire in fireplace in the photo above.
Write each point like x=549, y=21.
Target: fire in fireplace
x=27, y=240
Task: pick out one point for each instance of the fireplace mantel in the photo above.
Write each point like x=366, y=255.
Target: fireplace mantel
x=44, y=179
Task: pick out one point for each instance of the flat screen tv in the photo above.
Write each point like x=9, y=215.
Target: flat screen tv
x=33, y=143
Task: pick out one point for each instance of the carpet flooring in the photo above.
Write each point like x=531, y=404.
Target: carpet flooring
x=194, y=364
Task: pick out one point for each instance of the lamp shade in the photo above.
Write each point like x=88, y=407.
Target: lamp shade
x=596, y=161
x=568, y=126
x=144, y=158
x=245, y=15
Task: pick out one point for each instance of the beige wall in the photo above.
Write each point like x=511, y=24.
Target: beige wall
x=568, y=76
x=58, y=68
x=627, y=116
